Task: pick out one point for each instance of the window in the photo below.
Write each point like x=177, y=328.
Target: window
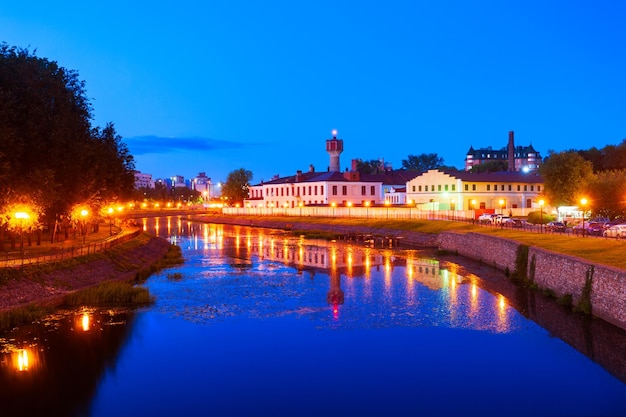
x=518, y=188
x=466, y=187
x=539, y=188
x=344, y=190
x=309, y=190
x=373, y=190
x=282, y=192
x=502, y=187
x=526, y=188
x=446, y=187
x=453, y=187
x=315, y=190
x=510, y=187
x=488, y=187
x=438, y=187
x=532, y=188
x=334, y=190
x=321, y=190
x=363, y=190
x=432, y=188
x=473, y=187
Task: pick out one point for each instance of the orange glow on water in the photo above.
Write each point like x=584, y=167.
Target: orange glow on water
x=85, y=322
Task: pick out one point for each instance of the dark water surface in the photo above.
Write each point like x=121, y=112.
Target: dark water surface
x=260, y=323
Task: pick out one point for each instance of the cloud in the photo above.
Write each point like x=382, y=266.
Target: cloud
x=151, y=144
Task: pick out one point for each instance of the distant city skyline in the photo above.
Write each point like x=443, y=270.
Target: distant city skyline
x=217, y=86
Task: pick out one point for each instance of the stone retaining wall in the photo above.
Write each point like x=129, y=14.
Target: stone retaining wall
x=560, y=273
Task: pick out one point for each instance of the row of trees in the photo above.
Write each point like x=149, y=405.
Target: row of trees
x=596, y=175
x=51, y=157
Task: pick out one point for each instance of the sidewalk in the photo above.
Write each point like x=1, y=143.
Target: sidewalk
x=66, y=248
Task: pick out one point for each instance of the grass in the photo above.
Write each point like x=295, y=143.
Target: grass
x=20, y=315
x=110, y=293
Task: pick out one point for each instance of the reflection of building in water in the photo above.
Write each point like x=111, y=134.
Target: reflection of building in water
x=320, y=255
x=425, y=271
x=428, y=273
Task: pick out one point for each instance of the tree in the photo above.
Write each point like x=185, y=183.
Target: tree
x=566, y=177
x=422, y=162
x=49, y=151
x=372, y=166
x=607, y=194
x=491, y=166
x=235, y=189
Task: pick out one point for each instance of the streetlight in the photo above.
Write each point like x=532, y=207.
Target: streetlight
x=583, y=202
x=387, y=203
x=333, y=204
x=501, y=207
x=349, y=204
x=110, y=213
x=84, y=213
x=22, y=216
x=367, y=208
x=541, y=203
x=473, y=202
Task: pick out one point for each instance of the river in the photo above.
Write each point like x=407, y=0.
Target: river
x=257, y=322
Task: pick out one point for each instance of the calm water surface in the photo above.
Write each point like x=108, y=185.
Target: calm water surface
x=259, y=323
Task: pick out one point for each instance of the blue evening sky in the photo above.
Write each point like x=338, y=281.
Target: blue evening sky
x=214, y=86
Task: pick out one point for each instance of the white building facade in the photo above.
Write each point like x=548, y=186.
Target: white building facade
x=497, y=191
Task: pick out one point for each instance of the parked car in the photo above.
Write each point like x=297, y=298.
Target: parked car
x=617, y=231
x=517, y=223
x=486, y=218
x=591, y=228
x=555, y=227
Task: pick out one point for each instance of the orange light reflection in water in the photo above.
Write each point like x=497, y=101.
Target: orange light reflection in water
x=85, y=322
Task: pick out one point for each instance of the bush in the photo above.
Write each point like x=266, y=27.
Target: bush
x=535, y=217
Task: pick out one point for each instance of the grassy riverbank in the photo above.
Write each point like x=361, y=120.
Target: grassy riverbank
x=100, y=279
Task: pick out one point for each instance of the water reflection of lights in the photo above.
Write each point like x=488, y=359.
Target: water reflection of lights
x=85, y=322
x=24, y=360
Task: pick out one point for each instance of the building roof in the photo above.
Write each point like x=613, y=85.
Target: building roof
x=503, y=176
x=393, y=177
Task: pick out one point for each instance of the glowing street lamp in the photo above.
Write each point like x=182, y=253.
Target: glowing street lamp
x=22, y=217
x=583, y=203
x=473, y=203
x=83, y=214
x=110, y=212
x=387, y=203
x=501, y=206
x=367, y=208
x=541, y=203
x=333, y=204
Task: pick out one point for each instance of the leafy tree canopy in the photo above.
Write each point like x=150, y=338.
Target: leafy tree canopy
x=566, y=177
x=373, y=166
x=49, y=152
x=422, y=162
x=235, y=189
x=491, y=166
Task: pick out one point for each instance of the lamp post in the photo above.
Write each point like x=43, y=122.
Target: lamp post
x=501, y=207
x=109, y=214
x=333, y=204
x=22, y=216
x=387, y=203
x=349, y=204
x=367, y=209
x=473, y=202
x=541, y=203
x=84, y=213
x=583, y=203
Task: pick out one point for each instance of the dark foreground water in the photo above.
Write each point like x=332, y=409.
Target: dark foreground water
x=258, y=323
